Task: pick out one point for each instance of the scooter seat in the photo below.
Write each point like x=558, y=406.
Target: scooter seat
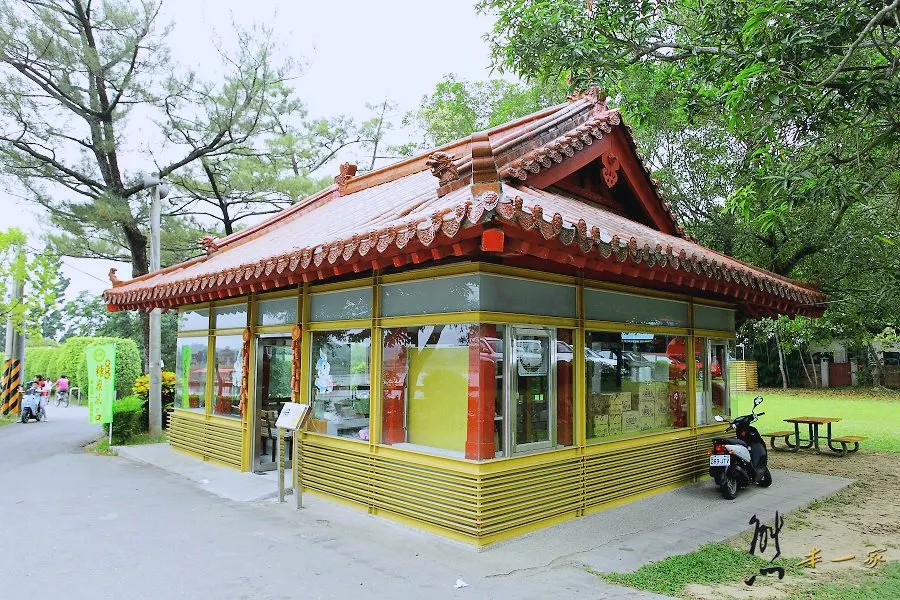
x=735, y=442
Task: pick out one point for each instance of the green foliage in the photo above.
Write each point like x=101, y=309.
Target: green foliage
x=141, y=386
x=38, y=361
x=129, y=419
x=713, y=563
x=873, y=414
x=771, y=125
x=458, y=108
x=40, y=274
x=73, y=362
x=76, y=74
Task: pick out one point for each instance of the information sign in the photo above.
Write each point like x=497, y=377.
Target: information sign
x=293, y=416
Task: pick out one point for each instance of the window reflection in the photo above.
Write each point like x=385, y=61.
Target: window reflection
x=226, y=393
x=190, y=372
x=339, y=385
x=635, y=383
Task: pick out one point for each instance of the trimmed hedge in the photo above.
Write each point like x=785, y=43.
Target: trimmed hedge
x=38, y=361
x=130, y=419
x=73, y=362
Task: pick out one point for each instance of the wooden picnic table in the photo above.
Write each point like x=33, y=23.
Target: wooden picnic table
x=813, y=439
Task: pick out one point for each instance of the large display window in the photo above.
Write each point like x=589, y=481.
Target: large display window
x=478, y=391
x=226, y=392
x=340, y=383
x=426, y=385
x=635, y=383
x=190, y=373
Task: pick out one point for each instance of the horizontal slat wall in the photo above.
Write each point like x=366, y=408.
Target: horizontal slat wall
x=499, y=502
x=345, y=473
x=439, y=497
x=529, y=494
x=612, y=476
x=210, y=440
x=442, y=498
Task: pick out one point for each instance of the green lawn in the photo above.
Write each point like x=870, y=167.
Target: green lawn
x=873, y=414
x=720, y=563
x=711, y=564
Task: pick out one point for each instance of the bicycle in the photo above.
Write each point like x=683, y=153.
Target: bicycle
x=62, y=396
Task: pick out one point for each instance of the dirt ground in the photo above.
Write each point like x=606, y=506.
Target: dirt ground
x=858, y=519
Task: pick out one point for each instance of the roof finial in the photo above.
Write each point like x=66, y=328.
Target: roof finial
x=593, y=94
x=115, y=281
x=443, y=167
x=348, y=170
x=209, y=244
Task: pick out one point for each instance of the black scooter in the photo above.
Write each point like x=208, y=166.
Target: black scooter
x=739, y=461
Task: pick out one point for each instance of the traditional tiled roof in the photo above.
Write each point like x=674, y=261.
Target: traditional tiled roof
x=424, y=208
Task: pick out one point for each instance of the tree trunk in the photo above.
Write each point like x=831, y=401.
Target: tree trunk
x=812, y=361
x=878, y=375
x=809, y=378
x=784, y=380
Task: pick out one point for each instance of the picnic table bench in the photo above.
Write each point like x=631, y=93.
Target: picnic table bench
x=813, y=437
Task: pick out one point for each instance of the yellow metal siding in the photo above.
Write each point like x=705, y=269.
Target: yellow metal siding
x=210, y=440
x=496, y=499
x=617, y=475
x=440, y=497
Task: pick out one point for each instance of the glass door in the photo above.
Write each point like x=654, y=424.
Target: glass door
x=273, y=388
x=530, y=376
x=718, y=378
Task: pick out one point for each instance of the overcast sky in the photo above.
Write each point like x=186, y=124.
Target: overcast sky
x=357, y=51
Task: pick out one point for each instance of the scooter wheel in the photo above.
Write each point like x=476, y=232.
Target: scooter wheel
x=730, y=487
x=766, y=480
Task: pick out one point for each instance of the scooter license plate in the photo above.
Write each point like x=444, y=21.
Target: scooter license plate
x=719, y=460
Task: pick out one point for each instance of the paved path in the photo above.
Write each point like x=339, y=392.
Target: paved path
x=75, y=525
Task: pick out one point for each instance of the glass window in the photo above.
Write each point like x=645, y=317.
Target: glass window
x=193, y=319
x=602, y=305
x=710, y=317
x=515, y=295
x=426, y=386
x=226, y=392
x=278, y=311
x=715, y=398
x=345, y=304
x=231, y=316
x=430, y=296
x=635, y=383
x=340, y=383
x=190, y=372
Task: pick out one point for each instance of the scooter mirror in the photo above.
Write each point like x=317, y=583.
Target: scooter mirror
x=757, y=401
x=719, y=418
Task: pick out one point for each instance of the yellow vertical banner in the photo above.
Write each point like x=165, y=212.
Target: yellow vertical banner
x=101, y=365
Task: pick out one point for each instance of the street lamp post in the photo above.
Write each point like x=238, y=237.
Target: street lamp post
x=158, y=190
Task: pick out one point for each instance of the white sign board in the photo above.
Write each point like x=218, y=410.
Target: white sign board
x=293, y=416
